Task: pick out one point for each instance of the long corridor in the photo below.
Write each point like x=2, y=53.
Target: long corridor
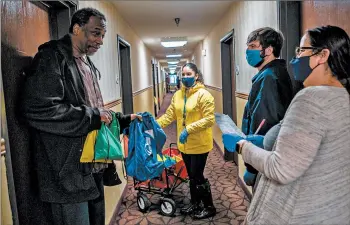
x=229, y=198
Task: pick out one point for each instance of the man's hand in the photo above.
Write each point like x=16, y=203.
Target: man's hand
x=134, y=116
x=106, y=115
x=249, y=178
x=257, y=140
x=230, y=141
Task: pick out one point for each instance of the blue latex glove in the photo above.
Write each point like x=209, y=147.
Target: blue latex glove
x=230, y=141
x=249, y=178
x=257, y=140
x=183, y=136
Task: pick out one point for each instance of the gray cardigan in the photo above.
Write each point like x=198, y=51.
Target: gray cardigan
x=306, y=178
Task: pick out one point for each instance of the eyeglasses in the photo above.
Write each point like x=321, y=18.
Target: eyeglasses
x=300, y=50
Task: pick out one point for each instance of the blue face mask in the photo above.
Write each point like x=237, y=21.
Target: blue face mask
x=188, y=81
x=253, y=57
x=301, y=68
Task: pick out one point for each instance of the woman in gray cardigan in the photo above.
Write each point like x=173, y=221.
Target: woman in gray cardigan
x=306, y=178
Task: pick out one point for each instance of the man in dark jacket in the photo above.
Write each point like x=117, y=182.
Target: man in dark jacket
x=62, y=103
x=272, y=89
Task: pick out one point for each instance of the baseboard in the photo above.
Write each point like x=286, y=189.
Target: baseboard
x=117, y=208
x=219, y=149
x=245, y=189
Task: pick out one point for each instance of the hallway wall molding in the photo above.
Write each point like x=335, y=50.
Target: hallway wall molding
x=111, y=104
x=141, y=91
x=214, y=88
x=242, y=95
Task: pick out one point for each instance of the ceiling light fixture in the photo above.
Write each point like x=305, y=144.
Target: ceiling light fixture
x=174, y=56
x=173, y=42
x=173, y=62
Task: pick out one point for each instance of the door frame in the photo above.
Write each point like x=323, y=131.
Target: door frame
x=227, y=47
x=158, y=87
x=230, y=93
x=125, y=76
x=289, y=23
x=154, y=88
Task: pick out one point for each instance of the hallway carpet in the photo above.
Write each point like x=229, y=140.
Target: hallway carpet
x=229, y=198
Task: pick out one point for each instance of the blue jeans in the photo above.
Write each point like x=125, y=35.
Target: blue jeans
x=84, y=213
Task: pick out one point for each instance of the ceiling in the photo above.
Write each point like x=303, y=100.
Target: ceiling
x=152, y=20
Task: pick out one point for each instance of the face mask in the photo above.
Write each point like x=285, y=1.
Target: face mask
x=188, y=81
x=253, y=57
x=301, y=68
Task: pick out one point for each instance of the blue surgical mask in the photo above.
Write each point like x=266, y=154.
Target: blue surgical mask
x=301, y=68
x=253, y=57
x=188, y=81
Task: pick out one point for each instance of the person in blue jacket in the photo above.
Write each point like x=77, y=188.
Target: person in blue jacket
x=272, y=89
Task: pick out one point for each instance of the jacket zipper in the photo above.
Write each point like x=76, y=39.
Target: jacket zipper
x=185, y=116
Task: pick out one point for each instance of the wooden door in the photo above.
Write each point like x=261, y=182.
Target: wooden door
x=24, y=26
x=317, y=13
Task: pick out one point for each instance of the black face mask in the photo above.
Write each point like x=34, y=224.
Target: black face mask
x=301, y=67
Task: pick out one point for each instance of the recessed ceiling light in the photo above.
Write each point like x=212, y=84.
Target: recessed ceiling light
x=174, y=56
x=173, y=62
x=173, y=42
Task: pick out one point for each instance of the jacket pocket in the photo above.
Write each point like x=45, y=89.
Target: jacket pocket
x=74, y=176
x=73, y=181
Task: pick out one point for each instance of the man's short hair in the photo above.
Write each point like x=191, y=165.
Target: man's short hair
x=268, y=36
x=82, y=16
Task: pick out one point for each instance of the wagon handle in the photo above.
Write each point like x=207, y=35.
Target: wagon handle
x=171, y=144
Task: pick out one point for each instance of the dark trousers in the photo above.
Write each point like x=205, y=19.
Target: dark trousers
x=84, y=213
x=195, y=164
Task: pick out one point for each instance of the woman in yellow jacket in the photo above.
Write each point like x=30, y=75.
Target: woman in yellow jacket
x=193, y=108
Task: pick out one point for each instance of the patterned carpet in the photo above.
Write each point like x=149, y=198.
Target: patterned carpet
x=229, y=199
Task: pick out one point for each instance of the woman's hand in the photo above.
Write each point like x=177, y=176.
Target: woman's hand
x=134, y=116
x=183, y=136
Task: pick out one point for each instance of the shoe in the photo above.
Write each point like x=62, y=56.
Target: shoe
x=189, y=209
x=194, y=206
x=205, y=213
x=208, y=210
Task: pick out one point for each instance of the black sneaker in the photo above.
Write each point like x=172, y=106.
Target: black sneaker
x=189, y=209
x=207, y=212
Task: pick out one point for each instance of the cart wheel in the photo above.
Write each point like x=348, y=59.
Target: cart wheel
x=168, y=207
x=143, y=203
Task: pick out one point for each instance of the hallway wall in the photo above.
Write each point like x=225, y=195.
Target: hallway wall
x=198, y=57
x=243, y=17
x=106, y=60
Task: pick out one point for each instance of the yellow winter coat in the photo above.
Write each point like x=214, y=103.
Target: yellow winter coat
x=199, y=118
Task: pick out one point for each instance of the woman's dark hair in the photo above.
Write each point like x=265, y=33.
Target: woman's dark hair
x=337, y=41
x=82, y=16
x=193, y=67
